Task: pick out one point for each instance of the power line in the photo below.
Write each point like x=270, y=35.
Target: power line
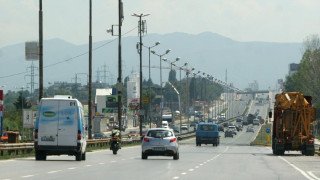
x=69, y=59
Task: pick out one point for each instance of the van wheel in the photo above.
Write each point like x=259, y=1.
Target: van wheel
x=84, y=156
x=78, y=156
x=41, y=156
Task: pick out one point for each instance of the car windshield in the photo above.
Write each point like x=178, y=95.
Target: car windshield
x=159, y=133
x=207, y=128
x=132, y=132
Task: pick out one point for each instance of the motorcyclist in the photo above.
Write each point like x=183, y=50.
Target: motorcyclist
x=115, y=133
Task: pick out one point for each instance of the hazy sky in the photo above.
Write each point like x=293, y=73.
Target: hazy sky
x=242, y=20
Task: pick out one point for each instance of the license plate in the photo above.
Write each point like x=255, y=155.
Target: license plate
x=159, y=148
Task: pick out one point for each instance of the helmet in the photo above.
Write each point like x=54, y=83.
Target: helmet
x=116, y=127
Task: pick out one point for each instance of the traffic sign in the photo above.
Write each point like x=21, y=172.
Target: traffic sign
x=268, y=130
x=145, y=100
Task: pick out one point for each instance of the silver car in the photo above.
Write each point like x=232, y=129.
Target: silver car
x=160, y=142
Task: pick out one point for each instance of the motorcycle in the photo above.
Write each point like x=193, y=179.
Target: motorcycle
x=115, y=145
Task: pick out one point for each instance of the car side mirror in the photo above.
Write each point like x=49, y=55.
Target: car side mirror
x=270, y=114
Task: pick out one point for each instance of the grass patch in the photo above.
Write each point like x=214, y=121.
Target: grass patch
x=13, y=155
x=261, y=138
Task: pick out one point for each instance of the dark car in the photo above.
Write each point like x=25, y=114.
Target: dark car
x=221, y=128
x=193, y=124
x=228, y=133
x=99, y=136
x=176, y=129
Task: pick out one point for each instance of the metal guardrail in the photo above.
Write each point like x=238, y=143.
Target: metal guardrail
x=22, y=148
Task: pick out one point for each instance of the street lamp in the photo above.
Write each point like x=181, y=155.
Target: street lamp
x=187, y=94
x=149, y=83
x=141, y=29
x=160, y=55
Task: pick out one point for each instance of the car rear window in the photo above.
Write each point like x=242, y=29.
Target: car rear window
x=207, y=128
x=159, y=133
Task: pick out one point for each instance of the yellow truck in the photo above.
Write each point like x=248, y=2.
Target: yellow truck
x=292, y=124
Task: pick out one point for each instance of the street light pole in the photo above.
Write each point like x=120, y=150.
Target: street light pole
x=149, y=83
x=160, y=55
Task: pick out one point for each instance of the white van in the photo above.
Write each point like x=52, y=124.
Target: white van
x=60, y=128
x=165, y=124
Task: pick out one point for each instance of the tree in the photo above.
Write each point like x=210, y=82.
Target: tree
x=21, y=102
x=307, y=78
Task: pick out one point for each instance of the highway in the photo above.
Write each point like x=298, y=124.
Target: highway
x=232, y=159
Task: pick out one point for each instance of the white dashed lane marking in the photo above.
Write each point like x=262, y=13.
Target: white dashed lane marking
x=27, y=176
x=50, y=172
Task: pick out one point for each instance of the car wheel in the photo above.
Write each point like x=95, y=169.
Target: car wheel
x=176, y=156
x=144, y=156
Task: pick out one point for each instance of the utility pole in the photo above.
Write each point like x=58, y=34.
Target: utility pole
x=40, y=52
x=90, y=70
x=141, y=30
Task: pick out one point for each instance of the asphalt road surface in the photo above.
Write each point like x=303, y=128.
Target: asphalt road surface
x=232, y=159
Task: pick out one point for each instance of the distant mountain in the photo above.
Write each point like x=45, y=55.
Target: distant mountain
x=208, y=52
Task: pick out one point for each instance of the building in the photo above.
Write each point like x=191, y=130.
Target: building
x=293, y=67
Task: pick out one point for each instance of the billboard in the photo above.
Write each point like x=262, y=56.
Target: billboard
x=29, y=118
x=133, y=104
x=32, y=51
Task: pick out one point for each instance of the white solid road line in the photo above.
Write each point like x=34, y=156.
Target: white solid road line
x=314, y=176
x=296, y=168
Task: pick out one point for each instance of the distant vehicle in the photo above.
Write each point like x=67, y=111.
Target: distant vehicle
x=221, y=128
x=160, y=142
x=192, y=124
x=250, y=118
x=60, y=128
x=256, y=122
x=250, y=129
x=133, y=134
x=99, y=136
x=207, y=133
x=165, y=124
x=143, y=125
x=184, y=127
x=228, y=133
x=226, y=124
x=234, y=129
x=176, y=129
x=239, y=127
